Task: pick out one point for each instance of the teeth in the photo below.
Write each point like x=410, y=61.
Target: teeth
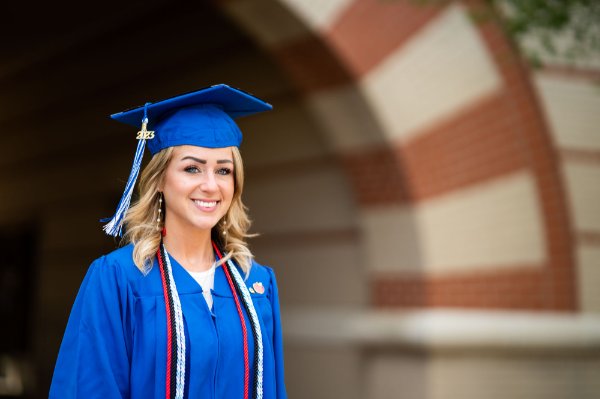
x=206, y=204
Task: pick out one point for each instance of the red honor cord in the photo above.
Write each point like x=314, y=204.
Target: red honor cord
x=242, y=322
x=168, y=310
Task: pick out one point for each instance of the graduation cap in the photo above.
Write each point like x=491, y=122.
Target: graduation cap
x=203, y=118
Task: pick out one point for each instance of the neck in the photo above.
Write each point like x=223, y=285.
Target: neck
x=193, y=251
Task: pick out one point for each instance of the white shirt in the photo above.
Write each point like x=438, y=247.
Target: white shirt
x=206, y=279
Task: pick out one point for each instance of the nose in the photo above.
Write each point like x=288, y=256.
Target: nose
x=209, y=183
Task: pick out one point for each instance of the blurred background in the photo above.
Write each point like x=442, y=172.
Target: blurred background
x=427, y=188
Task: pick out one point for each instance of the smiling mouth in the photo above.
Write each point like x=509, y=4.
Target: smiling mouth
x=206, y=204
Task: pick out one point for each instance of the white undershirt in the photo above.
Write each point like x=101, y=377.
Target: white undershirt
x=206, y=279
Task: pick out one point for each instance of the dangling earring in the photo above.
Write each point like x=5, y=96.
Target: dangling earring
x=224, y=227
x=158, y=218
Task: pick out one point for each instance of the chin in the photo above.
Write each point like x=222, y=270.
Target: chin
x=205, y=224
x=194, y=223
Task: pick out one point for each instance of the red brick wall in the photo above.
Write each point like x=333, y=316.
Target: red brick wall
x=501, y=134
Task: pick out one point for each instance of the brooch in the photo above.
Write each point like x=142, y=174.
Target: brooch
x=257, y=288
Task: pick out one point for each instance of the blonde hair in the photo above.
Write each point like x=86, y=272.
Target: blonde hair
x=140, y=222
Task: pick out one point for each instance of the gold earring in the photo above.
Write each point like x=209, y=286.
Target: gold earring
x=224, y=227
x=158, y=218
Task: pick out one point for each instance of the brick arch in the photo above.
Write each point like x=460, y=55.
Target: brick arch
x=332, y=60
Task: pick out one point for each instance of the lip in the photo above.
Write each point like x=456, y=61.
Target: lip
x=206, y=205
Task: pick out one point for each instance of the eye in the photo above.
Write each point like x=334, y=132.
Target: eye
x=224, y=171
x=191, y=169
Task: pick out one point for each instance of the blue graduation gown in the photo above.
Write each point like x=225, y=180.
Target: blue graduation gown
x=115, y=341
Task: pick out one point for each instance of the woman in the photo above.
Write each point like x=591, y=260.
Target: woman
x=181, y=311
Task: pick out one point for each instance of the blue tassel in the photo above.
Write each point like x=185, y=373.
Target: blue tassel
x=115, y=225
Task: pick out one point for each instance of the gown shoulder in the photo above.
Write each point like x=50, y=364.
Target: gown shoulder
x=118, y=264
x=260, y=277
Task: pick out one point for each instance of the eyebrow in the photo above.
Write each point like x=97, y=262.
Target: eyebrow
x=203, y=161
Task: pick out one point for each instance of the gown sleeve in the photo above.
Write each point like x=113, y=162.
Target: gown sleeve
x=93, y=361
x=277, y=338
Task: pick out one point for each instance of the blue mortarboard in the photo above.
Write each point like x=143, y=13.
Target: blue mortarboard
x=203, y=118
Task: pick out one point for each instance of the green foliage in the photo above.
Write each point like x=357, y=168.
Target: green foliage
x=565, y=30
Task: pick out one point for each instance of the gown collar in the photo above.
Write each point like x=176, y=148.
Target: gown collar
x=187, y=285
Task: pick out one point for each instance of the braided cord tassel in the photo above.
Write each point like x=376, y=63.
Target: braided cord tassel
x=259, y=353
x=168, y=309
x=176, y=346
x=244, y=331
x=240, y=287
x=179, y=332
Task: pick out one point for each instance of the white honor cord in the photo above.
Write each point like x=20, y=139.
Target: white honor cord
x=246, y=295
x=179, y=331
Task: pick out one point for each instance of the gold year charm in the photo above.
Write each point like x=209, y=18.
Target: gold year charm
x=145, y=134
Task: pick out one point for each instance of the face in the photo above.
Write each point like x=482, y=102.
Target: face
x=198, y=187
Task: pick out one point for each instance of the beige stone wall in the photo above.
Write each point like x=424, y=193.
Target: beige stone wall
x=441, y=69
x=571, y=103
x=447, y=354
x=325, y=372
x=401, y=375
x=493, y=225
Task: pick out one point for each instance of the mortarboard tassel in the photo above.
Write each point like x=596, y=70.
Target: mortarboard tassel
x=115, y=224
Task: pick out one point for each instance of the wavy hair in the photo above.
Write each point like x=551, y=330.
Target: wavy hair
x=140, y=222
